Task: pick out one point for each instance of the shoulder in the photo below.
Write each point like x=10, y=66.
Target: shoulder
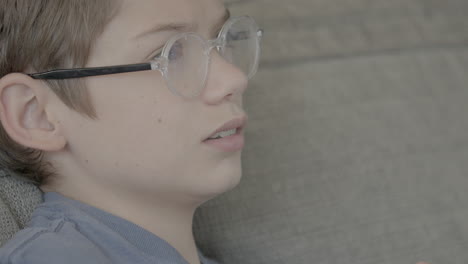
x=60, y=242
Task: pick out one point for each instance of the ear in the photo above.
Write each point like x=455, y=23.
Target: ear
x=24, y=115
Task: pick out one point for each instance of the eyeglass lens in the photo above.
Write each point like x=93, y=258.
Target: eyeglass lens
x=188, y=64
x=241, y=46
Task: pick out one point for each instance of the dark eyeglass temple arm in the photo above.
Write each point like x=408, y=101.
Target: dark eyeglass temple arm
x=87, y=72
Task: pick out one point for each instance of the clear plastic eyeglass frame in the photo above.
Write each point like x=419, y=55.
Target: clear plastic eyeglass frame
x=161, y=63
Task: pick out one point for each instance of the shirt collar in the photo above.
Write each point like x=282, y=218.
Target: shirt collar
x=144, y=240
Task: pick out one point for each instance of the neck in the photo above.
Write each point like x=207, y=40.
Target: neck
x=168, y=220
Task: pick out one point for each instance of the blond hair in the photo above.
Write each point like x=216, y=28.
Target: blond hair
x=44, y=35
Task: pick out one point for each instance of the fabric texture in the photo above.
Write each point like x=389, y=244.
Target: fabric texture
x=18, y=199
x=63, y=230
x=8, y=224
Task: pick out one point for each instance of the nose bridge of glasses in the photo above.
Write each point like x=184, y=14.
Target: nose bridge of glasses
x=214, y=43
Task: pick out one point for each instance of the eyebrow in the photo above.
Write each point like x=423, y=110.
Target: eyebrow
x=185, y=26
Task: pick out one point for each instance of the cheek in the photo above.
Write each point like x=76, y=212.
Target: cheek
x=126, y=92
x=137, y=110
x=133, y=101
x=140, y=125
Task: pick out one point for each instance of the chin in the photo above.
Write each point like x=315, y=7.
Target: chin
x=219, y=182
x=223, y=184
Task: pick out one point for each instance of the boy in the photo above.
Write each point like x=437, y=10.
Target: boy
x=126, y=153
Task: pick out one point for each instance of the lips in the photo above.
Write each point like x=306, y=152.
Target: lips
x=239, y=122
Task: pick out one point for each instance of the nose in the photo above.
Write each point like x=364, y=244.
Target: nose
x=224, y=81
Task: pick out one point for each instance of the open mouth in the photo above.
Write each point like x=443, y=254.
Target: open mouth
x=231, y=144
x=226, y=134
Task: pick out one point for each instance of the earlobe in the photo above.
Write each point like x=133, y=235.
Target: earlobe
x=24, y=116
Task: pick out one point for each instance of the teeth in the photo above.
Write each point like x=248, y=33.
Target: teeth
x=223, y=134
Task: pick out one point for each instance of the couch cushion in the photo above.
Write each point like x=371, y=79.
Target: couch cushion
x=357, y=144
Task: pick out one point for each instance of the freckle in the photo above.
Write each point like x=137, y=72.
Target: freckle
x=159, y=120
x=87, y=161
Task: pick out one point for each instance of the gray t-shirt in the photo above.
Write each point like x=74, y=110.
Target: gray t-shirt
x=63, y=230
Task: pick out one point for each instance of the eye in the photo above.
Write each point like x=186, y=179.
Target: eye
x=176, y=51
x=237, y=35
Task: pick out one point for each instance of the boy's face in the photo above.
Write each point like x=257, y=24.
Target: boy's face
x=147, y=140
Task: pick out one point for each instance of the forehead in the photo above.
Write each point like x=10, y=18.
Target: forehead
x=141, y=14
x=119, y=43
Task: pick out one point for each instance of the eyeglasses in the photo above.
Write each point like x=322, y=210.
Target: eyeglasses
x=185, y=59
